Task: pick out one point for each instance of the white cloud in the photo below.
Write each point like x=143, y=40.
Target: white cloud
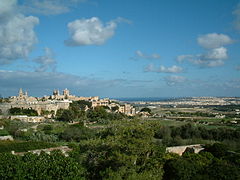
x=213, y=58
x=140, y=55
x=17, y=36
x=214, y=40
x=236, y=12
x=49, y=7
x=46, y=62
x=175, y=80
x=182, y=58
x=7, y=6
x=163, y=69
x=217, y=54
x=90, y=32
x=232, y=84
x=150, y=68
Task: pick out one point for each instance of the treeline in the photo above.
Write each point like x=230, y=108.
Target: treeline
x=193, y=114
x=55, y=132
x=20, y=111
x=190, y=131
x=80, y=111
x=226, y=108
x=40, y=167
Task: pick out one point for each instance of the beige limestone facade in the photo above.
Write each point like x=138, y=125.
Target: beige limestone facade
x=24, y=101
x=58, y=101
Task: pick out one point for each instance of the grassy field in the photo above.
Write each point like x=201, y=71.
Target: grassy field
x=198, y=116
x=166, y=122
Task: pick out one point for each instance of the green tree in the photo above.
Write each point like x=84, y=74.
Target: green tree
x=19, y=111
x=146, y=110
x=217, y=149
x=97, y=114
x=128, y=151
x=222, y=169
x=47, y=129
x=115, y=108
x=67, y=116
x=42, y=167
x=180, y=169
x=77, y=132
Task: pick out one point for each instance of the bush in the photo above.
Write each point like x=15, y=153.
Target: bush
x=146, y=110
x=41, y=136
x=19, y=111
x=3, y=132
x=77, y=133
x=41, y=167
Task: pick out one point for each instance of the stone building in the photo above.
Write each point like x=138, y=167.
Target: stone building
x=22, y=97
x=127, y=109
x=23, y=101
x=66, y=95
x=100, y=102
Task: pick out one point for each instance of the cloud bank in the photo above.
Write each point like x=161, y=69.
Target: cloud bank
x=214, y=40
x=46, y=62
x=42, y=83
x=236, y=13
x=49, y=7
x=175, y=80
x=238, y=68
x=140, y=55
x=17, y=36
x=163, y=69
x=39, y=82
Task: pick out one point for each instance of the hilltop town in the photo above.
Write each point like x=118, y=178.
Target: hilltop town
x=47, y=106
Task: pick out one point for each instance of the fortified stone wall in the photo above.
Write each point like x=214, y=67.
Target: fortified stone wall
x=38, y=106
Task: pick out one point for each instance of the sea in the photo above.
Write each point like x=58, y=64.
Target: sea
x=146, y=99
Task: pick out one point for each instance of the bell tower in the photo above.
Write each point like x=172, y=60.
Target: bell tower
x=66, y=93
x=20, y=94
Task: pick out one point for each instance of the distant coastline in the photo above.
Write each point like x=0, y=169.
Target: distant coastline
x=146, y=99
x=157, y=99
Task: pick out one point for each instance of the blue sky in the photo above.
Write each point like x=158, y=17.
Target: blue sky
x=137, y=48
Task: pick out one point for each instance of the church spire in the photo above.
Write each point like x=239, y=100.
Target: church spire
x=20, y=92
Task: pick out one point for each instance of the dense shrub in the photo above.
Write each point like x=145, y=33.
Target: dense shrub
x=76, y=133
x=203, y=165
x=4, y=132
x=41, y=167
x=19, y=111
x=189, y=131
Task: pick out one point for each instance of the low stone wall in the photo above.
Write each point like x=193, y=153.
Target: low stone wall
x=180, y=149
x=63, y=149
x=28, y=118
x=6, y=138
